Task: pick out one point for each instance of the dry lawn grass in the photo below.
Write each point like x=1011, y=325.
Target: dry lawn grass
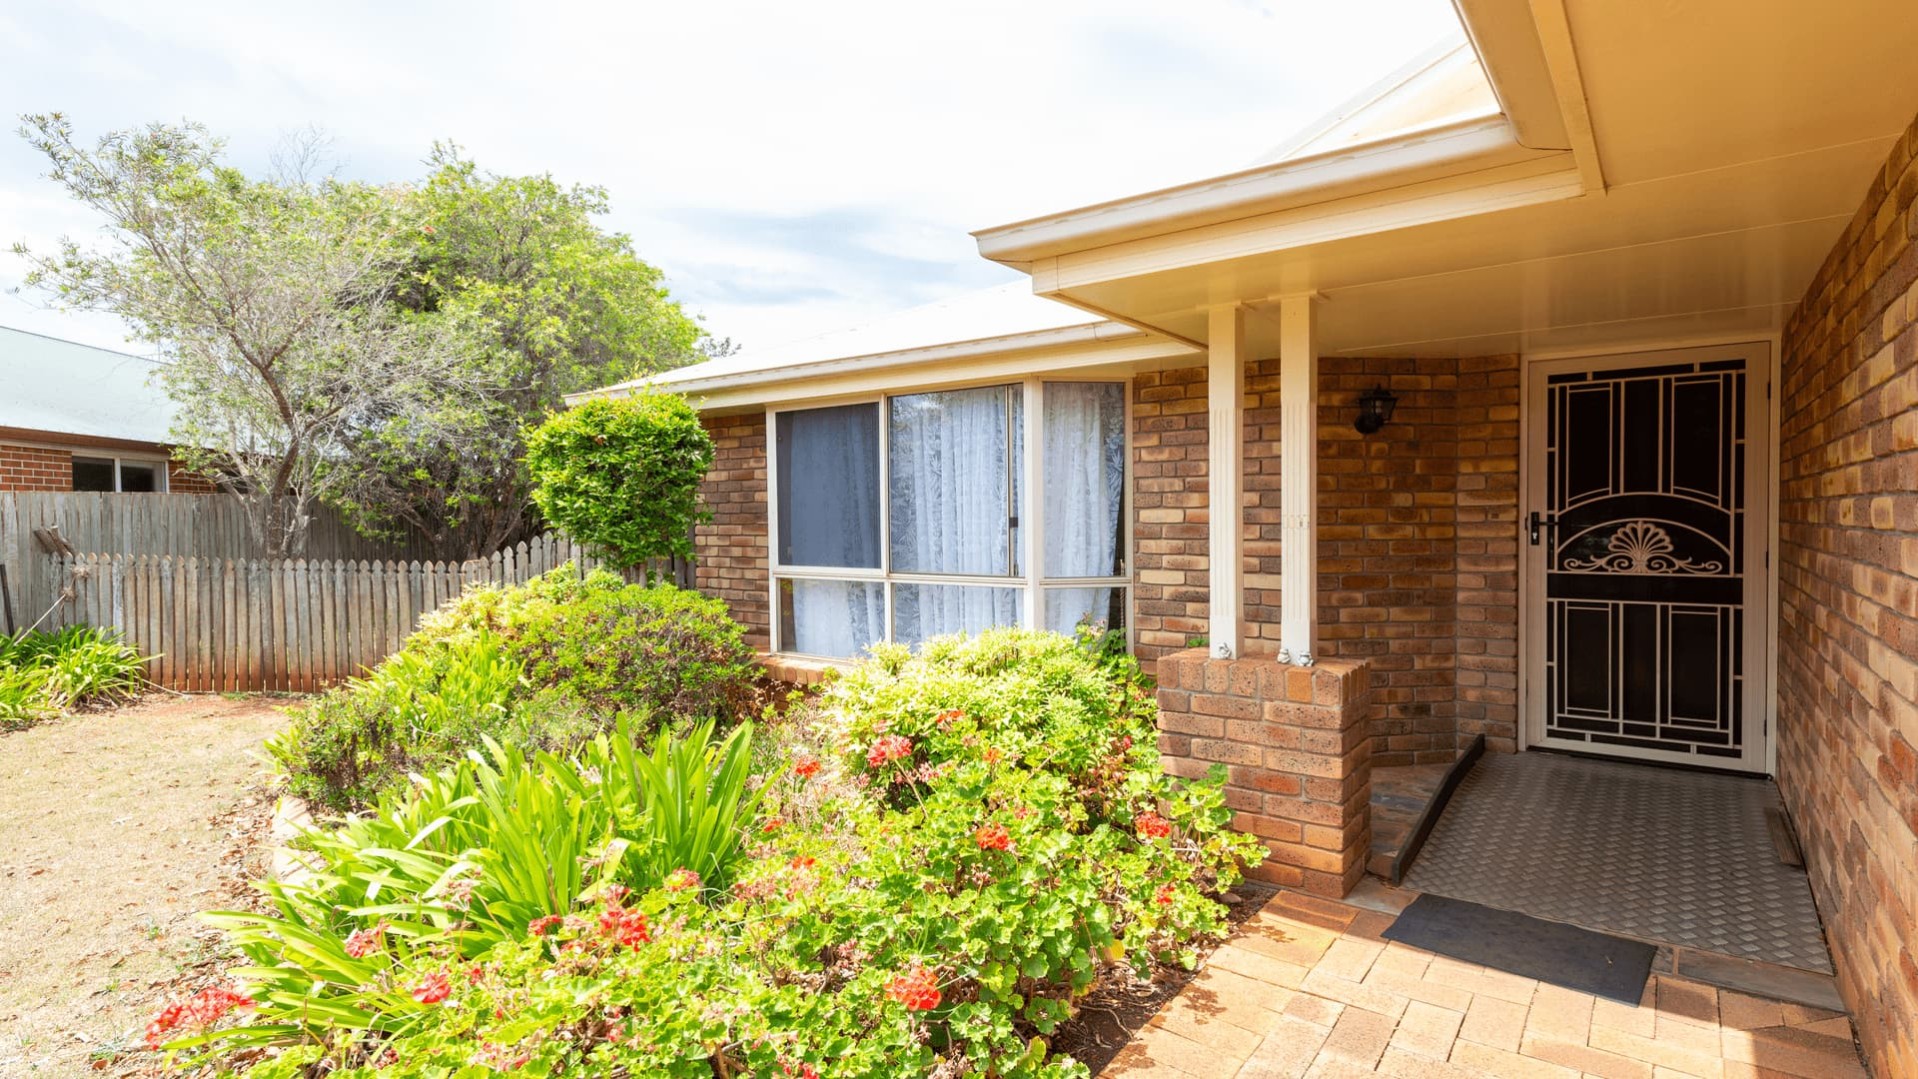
x=115, y=828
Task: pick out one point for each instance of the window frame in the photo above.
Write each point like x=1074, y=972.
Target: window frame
x=161, y=480
x=1031, y=585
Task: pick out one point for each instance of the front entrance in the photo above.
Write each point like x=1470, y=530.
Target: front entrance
x=1645, y=525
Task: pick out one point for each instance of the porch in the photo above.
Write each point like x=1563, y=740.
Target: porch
x=1312, y=987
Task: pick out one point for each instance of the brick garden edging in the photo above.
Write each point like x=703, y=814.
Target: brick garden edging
x=1297, y=752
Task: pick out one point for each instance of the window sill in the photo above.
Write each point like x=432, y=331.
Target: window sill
x=799, y=670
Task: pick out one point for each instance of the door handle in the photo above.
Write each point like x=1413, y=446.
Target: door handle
x=1541, y=521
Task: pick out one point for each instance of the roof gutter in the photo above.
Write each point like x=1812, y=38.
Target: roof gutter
x=1449, y=149
x=1092, y=334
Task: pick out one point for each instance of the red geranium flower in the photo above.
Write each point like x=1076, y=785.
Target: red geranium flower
x=680, y=880
x=993, y=837
x=539, y=927
x=917, y=989
x=950, y=716
x=1164, y=895
x=773, y=824
x=891, y=747
x=992, y=755
x=806, y=767
x=433, y=989
x=1152, y=826
x=628, y=927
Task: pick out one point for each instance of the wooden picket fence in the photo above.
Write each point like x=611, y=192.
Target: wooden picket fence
x=239, y=624
x=203, y=526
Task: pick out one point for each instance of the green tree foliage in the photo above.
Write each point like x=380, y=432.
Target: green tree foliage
x=379, y=348
x=273, y=300
x=553, y=303
x=621, y=475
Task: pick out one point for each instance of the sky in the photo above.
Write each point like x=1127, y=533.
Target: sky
x=792, y=168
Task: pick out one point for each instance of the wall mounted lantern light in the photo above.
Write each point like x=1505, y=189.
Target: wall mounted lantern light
x=1375, y=409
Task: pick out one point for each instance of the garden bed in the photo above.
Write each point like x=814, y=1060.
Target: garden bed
x=954, y=860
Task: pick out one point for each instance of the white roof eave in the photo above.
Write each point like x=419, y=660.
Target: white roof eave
x=1097, y=333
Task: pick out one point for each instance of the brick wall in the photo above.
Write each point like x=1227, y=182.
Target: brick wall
x=1848, y=592
x=181, y=481
x=29, y=468
x=1418, y=541
x=730, y=551
x=1169, y=509
x=1388, y=567
x=1297, y=757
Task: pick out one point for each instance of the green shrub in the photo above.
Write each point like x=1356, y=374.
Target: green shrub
x=964, y=843
x=417, y=712
x=621, y=475
x=541, y=666
x=43, y=673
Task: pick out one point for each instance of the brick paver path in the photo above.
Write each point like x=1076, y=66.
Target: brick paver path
x=1308, y=989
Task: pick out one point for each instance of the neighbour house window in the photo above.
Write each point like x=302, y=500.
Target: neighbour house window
x=118, y=474
x=906, y=518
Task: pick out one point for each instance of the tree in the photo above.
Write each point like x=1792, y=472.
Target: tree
x=273, y=301
x=621, y=475
x=552, y=303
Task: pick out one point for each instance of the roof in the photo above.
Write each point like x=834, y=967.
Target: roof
x=1003, y=311
x=69, y=388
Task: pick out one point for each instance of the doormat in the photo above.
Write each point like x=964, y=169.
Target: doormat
x=1606, y=966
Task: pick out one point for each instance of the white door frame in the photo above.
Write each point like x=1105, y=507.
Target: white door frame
x=1761, y=539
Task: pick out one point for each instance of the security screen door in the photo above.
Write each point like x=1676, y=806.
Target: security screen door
x=1644, y=540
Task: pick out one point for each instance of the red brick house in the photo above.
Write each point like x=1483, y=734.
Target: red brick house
x=78, y=418
x=1561, y=392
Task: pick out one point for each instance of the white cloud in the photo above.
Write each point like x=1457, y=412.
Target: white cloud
x=791, y=166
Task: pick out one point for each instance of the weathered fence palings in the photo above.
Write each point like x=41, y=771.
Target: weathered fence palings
x=239, y=624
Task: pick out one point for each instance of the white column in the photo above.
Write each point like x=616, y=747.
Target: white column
x=1225, y=463
x=1032, y=515
x=1299, y=479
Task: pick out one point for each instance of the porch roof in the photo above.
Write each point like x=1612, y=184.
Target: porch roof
x=1659, y=172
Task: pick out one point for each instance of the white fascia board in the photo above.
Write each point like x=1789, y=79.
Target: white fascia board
x=1471, y=145
x=1019, y=355
x=1548, y=178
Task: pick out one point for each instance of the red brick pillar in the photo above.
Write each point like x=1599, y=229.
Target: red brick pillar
x=1297, y=755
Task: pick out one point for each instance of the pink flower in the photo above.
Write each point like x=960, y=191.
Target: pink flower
x=680, y=880
x=361, y=943
x=206, y=1008
x=891, y=747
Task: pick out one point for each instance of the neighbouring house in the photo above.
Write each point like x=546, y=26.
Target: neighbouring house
x=78, y=418
x=1558, y=391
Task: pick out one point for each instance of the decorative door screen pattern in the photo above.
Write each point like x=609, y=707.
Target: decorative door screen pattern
x=1645, y=535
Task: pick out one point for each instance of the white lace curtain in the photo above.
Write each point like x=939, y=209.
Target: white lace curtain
x=954, y=495
x=955, y=489
x=1084, y=468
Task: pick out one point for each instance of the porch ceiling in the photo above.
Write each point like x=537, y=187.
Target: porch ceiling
x=1734, y=138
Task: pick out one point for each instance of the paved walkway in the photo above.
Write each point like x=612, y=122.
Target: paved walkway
x=1308, y=989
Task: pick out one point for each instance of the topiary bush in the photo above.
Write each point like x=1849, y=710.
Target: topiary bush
x=621, y=475
x=542, y=666
x=948, y=851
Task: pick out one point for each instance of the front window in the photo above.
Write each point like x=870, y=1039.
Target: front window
x=906, y=518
